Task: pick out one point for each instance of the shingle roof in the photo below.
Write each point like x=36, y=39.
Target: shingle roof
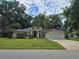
x=55, y=30
x=27, y=29
x=23, y=30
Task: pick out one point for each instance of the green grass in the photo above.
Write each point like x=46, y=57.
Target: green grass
x=29, y=44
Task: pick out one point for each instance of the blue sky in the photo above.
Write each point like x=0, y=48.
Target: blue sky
x=34, y=7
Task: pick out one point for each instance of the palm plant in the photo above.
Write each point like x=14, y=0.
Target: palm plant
x=66, y=14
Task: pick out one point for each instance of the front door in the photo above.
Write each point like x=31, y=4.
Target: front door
x=34, y=34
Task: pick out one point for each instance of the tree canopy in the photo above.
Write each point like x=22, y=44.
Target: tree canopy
x=47, y=22
x=14, y=14
x=75, y=15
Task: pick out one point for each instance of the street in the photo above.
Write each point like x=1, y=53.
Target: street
x=39, y=54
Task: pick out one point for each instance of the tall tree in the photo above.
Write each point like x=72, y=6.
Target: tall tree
x=75, y=15
x=47, y=22
x=67, y=24
x=66, y=14
x=14, y=13
x=3, y=26
x=55, y=21
x=41, y=21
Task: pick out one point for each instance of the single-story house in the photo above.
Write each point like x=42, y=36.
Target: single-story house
x=28, y=32
x=38, y=33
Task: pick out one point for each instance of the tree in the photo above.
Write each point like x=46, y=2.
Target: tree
x=75, y=14
x=47, y=22
x=55, y=21
x=16, y=25
x=41, y=21
x=67, y=24
x=15, y=15
x=66, y=14
x=3, y=26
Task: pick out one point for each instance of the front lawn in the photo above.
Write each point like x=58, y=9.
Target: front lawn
x=29, y=44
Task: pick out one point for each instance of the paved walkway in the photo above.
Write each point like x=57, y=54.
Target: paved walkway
x=38, y=54
x=68, y=44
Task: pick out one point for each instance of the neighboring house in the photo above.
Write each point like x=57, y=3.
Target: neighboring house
x=73, y=35
x=55, y=34
x=38, y=33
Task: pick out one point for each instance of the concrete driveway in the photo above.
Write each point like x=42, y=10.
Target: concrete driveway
x=38, y=54
x=68, y=44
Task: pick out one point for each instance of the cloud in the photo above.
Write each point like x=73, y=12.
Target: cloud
x=33, y=10
x=35, y=7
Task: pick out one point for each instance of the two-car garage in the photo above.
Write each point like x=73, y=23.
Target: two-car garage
x=55, y=34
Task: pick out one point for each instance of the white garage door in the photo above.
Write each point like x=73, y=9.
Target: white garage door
x=55, y=35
